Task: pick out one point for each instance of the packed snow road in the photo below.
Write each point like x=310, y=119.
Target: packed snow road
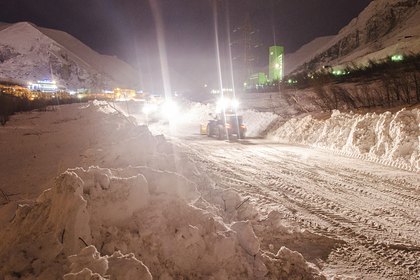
x=340, y=213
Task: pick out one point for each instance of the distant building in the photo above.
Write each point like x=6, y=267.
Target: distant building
x=15, y=90
x=256, y=80
x=275, y=66
x=124, y=94
x=44, y=86
x=84, y=90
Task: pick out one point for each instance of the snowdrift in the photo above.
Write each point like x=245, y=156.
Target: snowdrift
x=391, y=139
x=134, y=209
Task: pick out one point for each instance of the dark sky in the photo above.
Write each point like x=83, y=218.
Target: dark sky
x=127, y=29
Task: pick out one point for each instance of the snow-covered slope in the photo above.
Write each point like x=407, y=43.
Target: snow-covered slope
x=385, y=27
x=4, y=25
x=30, y=53
x=305, y=53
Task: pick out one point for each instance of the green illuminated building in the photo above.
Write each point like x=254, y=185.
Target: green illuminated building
x=275, y=66
x=257, y=79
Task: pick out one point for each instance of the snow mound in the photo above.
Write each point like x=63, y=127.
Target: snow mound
x=287, y=262
x=388, y=138
x=129, y=211
x=139, y=232
x=197, y=112
x=90, y=265
x=255, y=122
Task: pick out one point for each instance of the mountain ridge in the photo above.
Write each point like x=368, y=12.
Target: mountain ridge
x=383, y=28
x=29, y=52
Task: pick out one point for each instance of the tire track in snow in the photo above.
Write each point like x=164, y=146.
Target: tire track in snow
x=369, y=222
x=327, y=200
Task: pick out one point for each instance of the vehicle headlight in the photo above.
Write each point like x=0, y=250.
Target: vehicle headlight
x=170, y=109
x=235, y=104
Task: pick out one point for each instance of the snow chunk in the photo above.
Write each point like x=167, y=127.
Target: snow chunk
x=287, y=264
x=163, y=182
x=57, y=223
x=88, y=264
x=88, y=258
x=246, y=237
x=113, y=200
x=127, y=267
x=85, y=274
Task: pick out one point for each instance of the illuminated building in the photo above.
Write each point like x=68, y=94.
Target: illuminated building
x=124, y=94
x=224, y=90
x=84, y=90
x=257, y=80
x=275, y=66
x=43, y=86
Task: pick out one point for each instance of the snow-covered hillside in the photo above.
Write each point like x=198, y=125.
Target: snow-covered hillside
x=384, y=28
x=29, y=53
x=305, y=53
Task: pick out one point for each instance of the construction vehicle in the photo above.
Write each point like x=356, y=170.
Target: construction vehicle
x=225, y=122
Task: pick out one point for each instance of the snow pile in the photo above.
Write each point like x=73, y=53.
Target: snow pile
x=46, y=231
x=138, y=226
x=197, y=112
x=134, y=209
x=287, y=263
x=388, y=138
x=255, y=122
x=90, y=265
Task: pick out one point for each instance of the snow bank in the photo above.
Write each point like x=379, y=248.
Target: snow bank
x=130, y=211
x=196, y=112
x=140, y=230
x=388, y=138
x=255, y=122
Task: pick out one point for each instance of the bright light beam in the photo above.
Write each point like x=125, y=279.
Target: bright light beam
x=160, y=33
x=236, y=104
x=219, y=67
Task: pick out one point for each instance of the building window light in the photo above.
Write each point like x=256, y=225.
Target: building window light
x=397, y=57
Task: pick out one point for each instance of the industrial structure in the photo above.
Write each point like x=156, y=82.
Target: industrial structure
x=275, y=70
x=275, y=66
x=256, y=80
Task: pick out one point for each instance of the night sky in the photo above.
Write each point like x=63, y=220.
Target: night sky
x=127, y=29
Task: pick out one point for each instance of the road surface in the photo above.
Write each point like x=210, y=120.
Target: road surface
x=348, y=216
